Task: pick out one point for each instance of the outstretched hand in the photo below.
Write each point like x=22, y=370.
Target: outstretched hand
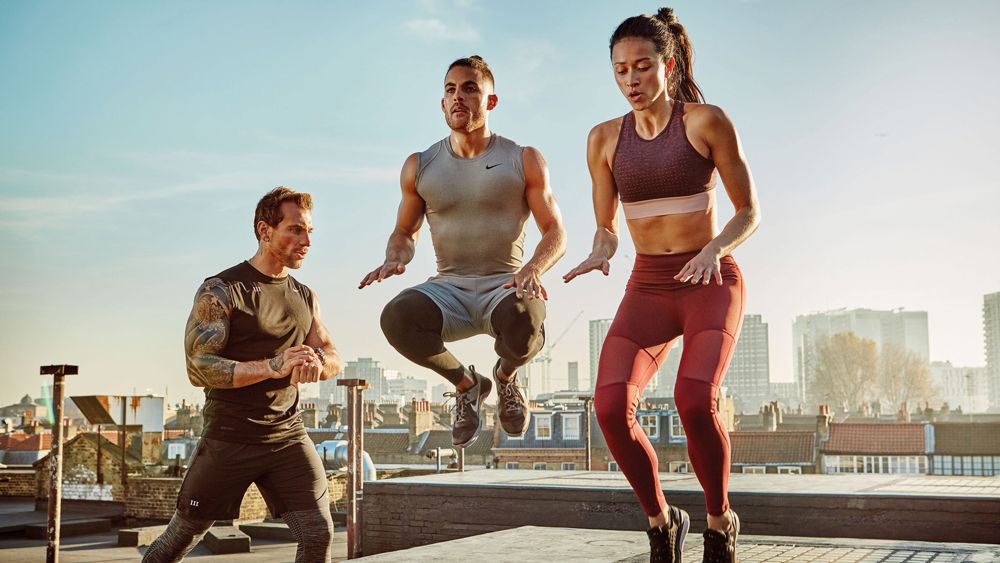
x=588, y=265
x=527, y=282
x=384, y=271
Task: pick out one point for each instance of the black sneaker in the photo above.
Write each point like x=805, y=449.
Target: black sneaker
x=512, y=406
x=667, y=545
x=465, y=419
x=719, y=547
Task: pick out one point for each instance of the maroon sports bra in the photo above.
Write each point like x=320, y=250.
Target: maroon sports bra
x=664, y=175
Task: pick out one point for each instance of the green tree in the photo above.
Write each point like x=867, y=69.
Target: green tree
x=846, y=371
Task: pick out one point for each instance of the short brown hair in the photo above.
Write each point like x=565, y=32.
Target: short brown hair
x=474, y=62
x=269, y=206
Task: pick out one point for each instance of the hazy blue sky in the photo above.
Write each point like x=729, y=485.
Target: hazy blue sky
x=136, y=138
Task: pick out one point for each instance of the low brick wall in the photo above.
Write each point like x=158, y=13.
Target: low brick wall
x=154, y=498
x=17, y=483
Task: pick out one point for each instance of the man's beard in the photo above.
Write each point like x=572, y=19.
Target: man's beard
x=476, y=120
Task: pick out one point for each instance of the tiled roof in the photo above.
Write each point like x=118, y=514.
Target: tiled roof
x=773, y=447
x=876, y=439
x=386, y=442
x=377, y=441
x=442, y=439
x=967, y=438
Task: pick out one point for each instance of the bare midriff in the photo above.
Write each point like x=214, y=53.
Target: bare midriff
x=673, y=234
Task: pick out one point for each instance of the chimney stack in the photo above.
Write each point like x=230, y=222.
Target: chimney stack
x=823, y=420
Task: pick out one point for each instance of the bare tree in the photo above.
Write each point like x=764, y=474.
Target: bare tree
x=903, y=377
x=846, y=371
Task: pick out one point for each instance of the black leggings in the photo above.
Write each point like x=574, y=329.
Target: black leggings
x=412, y=323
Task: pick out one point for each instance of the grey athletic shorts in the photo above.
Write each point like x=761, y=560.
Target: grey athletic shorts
x=466, y=302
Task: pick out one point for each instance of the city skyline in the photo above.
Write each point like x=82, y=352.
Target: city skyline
x=133, y=154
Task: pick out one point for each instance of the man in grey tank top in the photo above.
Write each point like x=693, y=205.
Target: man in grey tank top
x=476, y=190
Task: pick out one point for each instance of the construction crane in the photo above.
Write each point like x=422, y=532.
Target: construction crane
x=544, y=358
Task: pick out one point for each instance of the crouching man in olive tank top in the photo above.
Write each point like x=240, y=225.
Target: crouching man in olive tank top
x=253, y=335
x=476, y=190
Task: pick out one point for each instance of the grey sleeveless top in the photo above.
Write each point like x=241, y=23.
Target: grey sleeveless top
x=476, y=207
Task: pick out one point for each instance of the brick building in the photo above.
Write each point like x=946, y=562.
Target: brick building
x=966, y=448
x=893, y=448
x=555, y=440
x=82, y=479
x=780, y=452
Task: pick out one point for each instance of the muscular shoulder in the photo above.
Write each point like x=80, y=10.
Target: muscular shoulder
x=605, y=132
x=706, y=117
x=602, y=140
x=216, y=288
x=533, y=157
x=212, y=302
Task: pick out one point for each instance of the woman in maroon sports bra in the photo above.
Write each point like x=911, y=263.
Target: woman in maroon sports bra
x=660, y=160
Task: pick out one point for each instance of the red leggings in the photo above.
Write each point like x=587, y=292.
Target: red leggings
x=656, y=310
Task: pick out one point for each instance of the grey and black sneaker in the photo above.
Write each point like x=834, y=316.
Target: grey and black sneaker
x=465, y=419
x=719, y=547
x=513, y=407
x=666, y=545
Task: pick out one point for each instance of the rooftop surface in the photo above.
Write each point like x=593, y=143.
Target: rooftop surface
x=526, y=544
x=923, y=485
x=530, y=544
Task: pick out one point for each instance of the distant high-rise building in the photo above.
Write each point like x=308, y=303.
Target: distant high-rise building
x=438, y=391
x=362, y=368
x=991, y=334
x=961, y=387
x=405, y=388
x=786, y=392
x=598, y=332
x=666, y=376
x=748, y=374
x=573, y=376
x=907, y=329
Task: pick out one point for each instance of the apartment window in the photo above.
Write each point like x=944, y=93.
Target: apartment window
x=754, y=469
x=650, y=424
x=513, y=465
x=676, y=428
x=568, y=466
x=612, y=466
x=571, y=426
x=789, y=470
x=174, y=450
x=543, y=426
x=679, y=467
x=538, y=465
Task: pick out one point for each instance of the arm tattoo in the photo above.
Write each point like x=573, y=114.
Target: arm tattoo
x=276, y=363
x=207, y=334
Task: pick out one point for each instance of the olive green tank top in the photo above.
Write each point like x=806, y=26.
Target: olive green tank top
x=269, y=315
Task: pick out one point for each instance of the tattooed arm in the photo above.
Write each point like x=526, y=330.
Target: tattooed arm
x=319, y=337
x=206, y=335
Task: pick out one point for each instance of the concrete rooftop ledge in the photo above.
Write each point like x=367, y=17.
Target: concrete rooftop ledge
x=412, y=511
x=530, y=544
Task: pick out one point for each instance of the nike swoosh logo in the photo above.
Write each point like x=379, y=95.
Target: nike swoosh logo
x=488, y=166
